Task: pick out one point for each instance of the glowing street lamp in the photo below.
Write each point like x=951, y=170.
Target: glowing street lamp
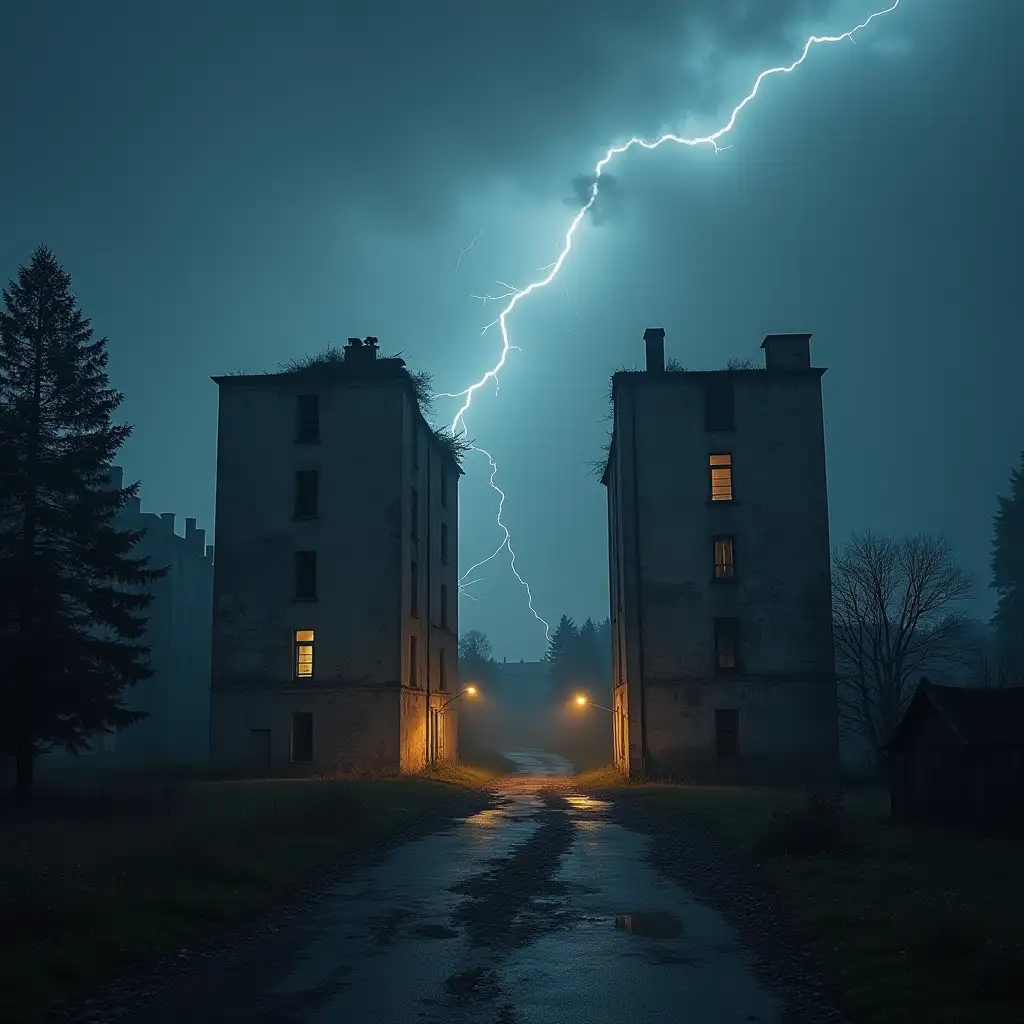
x=584, y=701
x=470, y=690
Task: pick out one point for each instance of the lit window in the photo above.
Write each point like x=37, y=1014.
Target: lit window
x=725, y=567
x=303, y=653
x=721, y=477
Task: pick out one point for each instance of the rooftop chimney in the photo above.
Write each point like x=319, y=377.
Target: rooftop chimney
x=787, y=352
x=115, y=478
x=654, y=339
x=167, y=518
x=360, y=352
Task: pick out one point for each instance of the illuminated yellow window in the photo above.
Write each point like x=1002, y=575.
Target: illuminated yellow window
x=303, y=653
x=721, y=477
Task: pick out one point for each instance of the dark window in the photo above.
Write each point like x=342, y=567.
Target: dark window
x=414, y=658
x=305, y=575
x=727, y=643
x=725, y=565
x=414, y=589
x=444, y=606
x=719, y=403
x=414, y=514
x=303, y=642
x=307, y=427
x=302, y=736
x=442, y=671
x=307, y=494
x=721, y=476
x=444, y=543
x=727, y=728
x=444, y=488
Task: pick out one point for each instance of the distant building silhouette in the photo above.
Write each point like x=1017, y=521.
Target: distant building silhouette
x=720, y=569
x=177, y=696
x=336, y=584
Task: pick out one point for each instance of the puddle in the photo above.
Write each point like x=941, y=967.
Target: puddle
x=586, y=803
x=657, y=925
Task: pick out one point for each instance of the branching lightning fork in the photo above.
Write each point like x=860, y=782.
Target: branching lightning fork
x=515, y=296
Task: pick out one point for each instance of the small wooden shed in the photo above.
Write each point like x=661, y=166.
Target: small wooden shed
x=957, y=759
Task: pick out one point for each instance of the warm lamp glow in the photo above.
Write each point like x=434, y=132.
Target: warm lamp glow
x=581, y=700
x=471, y=690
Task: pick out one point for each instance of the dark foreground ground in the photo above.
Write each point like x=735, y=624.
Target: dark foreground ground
x=541, y=908
x=545, y=899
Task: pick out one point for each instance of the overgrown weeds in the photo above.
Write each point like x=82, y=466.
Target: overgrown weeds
x=819, y=827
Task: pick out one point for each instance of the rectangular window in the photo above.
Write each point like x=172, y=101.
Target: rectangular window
x=307, y=494
x=442, y=671
x=725, y=566
x=303, y=654
x=719, y=403
x=414, y=588
x=414, y=513
x=444, y=488
x=721, y=477
x=727, y=644
x=307, y=427
x=414, y=661
x=444, y=606
x=305, y=575
x=302, y=736
x=444, y=543
x=727, y=728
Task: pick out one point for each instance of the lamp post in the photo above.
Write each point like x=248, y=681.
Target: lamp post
x=618, y=729
x=471, y=691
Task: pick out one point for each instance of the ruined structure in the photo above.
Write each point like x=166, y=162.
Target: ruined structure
x=720, y=569
x=176, y=698
x=336, y=583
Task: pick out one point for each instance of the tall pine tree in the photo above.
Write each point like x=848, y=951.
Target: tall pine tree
x=71, y=595
x=561, y=659
x=1008, y=570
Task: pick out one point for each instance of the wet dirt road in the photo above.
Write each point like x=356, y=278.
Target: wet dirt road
x=538, y=910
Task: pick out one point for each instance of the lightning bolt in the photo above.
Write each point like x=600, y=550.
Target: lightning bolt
x=516, y=295
x=505, y=543
x=473, y=241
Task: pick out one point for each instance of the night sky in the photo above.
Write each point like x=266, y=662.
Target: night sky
x=235, y=183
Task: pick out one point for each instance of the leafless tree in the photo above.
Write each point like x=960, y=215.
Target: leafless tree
x=894, y=618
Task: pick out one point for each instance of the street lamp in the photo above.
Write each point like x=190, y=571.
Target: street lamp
x=471, y=690
x=583, y=702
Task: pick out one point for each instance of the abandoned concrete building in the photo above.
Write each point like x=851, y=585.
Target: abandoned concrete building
x=335, y=640
x=720, y=569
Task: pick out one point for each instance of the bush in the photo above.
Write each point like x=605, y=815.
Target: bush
x=820, y=827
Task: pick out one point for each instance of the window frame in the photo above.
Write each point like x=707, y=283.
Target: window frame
x=302, y=436
x=294, y=758
x=719, y=625
x=314, y=476
x=304, y=560
x=298, y=645
x=731, y=564
x=719, y=397
x=719, y=466
x=722, y=715
x=444, y=488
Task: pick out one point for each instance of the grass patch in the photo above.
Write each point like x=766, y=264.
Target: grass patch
x=484, y=770
x=605, y=777
x=113, y=870
x=909, y=923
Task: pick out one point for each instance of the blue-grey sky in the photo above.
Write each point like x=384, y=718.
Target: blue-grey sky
x=233, y=184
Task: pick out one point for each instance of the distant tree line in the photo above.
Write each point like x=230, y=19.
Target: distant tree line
x=72, y=597
x=580, y=659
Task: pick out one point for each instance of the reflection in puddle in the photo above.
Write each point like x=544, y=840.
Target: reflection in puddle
x=658, y=925
x=586, y=803
x=488, y=818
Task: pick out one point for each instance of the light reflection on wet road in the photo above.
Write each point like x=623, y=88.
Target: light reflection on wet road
x=538, y=910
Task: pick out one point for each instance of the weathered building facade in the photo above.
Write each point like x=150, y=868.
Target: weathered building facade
x=720, y=570
x=335, y=589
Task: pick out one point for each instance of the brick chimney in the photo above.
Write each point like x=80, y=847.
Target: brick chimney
x=654, y=339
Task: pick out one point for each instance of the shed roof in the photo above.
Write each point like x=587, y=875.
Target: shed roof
x=977, y=717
